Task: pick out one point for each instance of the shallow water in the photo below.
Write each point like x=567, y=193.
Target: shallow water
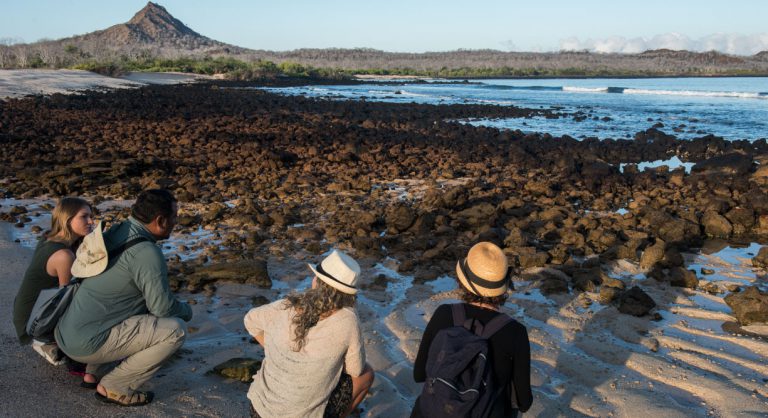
x=731, y=107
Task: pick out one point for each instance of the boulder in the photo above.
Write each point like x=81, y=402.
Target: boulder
x=608, y=294
x=761, y=259
x=252, y=272
x=742, y=219
x=652, y=255
x=749, y=306
x=400, y=218
x=678, y=231
x=586, y=280
x=239, y=368
x=716, y=225
x=680, y=277
x=635, y=302
x=536, y=259
x=733, y=164
x=480, y=214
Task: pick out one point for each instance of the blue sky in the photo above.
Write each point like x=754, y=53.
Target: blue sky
x=735, y=26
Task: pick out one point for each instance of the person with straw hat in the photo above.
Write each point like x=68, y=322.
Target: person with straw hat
x=483, y=278
x=314, y=358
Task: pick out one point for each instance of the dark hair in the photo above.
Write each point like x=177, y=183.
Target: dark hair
x=152, y=203
x=470, y=297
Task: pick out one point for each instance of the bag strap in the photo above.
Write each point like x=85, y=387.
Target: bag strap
x=495, y=325
x=126, y=245
x=459, y=314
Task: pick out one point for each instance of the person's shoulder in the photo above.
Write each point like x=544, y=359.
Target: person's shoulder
x=348, y=313
x=513, y=326
x=145, y=249
x=62, y=254
x=278, y=305
x=445, y=309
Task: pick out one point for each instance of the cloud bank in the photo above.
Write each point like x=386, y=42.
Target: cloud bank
x=723, y=42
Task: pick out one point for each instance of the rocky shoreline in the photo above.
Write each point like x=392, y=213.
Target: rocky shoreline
x=332, y=166
x=270, y=181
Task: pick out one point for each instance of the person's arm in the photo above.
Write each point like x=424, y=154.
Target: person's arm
x=435, y=324
x=257, y=319
x=151, y=277
x=354, y=359
x=59, y=265
x=521, y=376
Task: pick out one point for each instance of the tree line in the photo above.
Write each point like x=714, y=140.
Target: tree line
x=93, y=53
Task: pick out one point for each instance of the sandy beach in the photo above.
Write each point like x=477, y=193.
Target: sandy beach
x=588, y=359
x=358, y=177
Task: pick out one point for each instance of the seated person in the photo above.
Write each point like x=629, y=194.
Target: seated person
x=314, y=359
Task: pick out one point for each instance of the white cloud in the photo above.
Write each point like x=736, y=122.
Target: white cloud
x=724, y=42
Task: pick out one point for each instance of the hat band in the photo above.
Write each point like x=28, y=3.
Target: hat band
x=326, y=274
x=472, y=278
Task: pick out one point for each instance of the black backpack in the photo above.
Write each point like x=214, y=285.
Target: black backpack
x=460, y=380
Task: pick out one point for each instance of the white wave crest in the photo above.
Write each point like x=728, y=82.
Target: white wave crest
x=737, y=94
x=586, y=89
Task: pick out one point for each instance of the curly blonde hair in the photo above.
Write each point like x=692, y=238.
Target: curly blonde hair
x=312, y=305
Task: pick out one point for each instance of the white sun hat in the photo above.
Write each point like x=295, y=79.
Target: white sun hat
x=339, y=271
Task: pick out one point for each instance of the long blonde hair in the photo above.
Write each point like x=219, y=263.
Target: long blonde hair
x=312, y=305
x=62, y=214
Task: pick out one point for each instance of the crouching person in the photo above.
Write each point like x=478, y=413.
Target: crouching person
x=486, y=343
x=127, y=312
x=314, y=359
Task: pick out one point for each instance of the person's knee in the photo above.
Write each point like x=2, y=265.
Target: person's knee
x=177, y=330
x=365, y=380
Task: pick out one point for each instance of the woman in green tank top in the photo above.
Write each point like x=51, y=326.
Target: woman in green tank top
x=71, y=220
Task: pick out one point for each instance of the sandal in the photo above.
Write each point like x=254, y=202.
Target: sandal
x=137, y=398
x=89, y=385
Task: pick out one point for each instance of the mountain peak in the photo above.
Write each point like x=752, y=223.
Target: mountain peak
x=151, y=11
x=156, y=23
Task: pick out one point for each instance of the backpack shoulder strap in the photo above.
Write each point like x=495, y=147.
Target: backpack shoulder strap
x=126, y=245
x=459, y=314
x=495, y=325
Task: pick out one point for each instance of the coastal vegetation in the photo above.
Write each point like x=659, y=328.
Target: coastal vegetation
x=153, y=40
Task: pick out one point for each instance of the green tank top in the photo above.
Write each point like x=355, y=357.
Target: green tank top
x=36, y=279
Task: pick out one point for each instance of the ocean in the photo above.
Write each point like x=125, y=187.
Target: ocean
x=734, y=108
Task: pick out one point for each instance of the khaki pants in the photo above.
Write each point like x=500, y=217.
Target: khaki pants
x=144, y=342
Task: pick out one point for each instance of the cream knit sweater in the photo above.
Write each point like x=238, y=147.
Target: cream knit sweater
x=298, y=384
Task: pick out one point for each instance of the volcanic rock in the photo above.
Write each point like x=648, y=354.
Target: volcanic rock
x=252, y=272
x=635, y=302
x=652, y=255
x=716, y=225
x=732, y=165
x=749, y=306
x=680, y=277
x=400, y=218
x=761, y=259
x=239, y=368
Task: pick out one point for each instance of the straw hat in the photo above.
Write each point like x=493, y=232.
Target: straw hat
x=339, y=271
x=91, y=256
x=484, y=271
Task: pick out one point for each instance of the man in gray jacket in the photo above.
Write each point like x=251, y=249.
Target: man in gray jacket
x=127, y=312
